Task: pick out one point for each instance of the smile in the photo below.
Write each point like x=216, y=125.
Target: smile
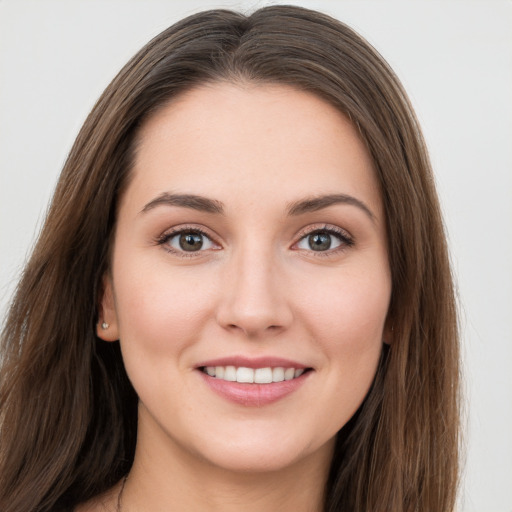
x=242, y=374
x=254, y=381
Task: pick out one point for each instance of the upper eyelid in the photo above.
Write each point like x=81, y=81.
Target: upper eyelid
x=308, y=230
x=346, y=239
x=187, y=227
x=304, y=232
x=170, y=233
x=164, y=239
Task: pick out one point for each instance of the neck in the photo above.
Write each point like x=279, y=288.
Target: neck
x=166, y=475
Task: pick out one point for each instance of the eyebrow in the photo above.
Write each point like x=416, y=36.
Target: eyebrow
x=314, y=204
x=192, y=201
x=204, y=204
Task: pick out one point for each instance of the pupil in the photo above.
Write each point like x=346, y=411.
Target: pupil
x=191, y=241
x=320, y=241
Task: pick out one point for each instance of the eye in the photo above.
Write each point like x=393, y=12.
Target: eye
x=322, y=240
x=187, y=240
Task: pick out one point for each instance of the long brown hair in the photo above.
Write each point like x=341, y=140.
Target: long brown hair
x=68, y=412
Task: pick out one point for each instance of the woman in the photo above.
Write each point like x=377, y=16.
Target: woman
x=241, y=298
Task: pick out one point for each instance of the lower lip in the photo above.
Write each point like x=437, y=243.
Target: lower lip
x=254, y=395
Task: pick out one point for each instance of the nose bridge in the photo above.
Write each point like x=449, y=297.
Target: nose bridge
x=254, y=300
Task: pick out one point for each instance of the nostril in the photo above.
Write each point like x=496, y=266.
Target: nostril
x=271, y=328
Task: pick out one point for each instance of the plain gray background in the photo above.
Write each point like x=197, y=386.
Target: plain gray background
x=455, y=60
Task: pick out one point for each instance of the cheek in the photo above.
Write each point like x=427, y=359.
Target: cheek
x=161, y=307
x=346, y=315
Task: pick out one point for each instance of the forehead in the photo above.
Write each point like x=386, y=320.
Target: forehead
x=223, y=140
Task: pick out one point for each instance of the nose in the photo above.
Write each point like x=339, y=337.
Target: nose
x=254, y=299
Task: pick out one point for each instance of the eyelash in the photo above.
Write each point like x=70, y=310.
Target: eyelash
x=346, y=241
x=169, y=235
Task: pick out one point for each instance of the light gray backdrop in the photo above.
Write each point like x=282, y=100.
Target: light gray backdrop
x=455, y=60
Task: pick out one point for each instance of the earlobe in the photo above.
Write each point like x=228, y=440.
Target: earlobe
x=106, y=326
x=388, y=334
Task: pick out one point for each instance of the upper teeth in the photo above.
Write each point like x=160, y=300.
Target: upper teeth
x=251, y=375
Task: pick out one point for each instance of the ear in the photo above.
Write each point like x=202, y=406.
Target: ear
x=388, y=333
x=107, y=326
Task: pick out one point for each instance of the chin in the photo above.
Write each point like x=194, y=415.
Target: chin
x=266, y=456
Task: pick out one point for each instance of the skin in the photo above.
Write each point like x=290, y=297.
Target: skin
x=258, y=288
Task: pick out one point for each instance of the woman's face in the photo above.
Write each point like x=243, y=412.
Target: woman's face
x=250, y=245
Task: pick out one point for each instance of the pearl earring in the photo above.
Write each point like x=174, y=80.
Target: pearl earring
x=105, y=326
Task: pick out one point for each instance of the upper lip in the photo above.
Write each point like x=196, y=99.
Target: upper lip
x=253, y=362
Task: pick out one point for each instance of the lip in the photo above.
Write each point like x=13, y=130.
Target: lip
x=253, y=395
x=256, y=362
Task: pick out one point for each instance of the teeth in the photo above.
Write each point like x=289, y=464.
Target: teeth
x=219, y=372
x=289, y=373
x=245, y=374
x=263, y=376
x=277, y=374
x=250, y=375
x=230, y=373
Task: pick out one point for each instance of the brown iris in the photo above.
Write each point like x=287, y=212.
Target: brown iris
x=319, y=241
x=191, y=241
